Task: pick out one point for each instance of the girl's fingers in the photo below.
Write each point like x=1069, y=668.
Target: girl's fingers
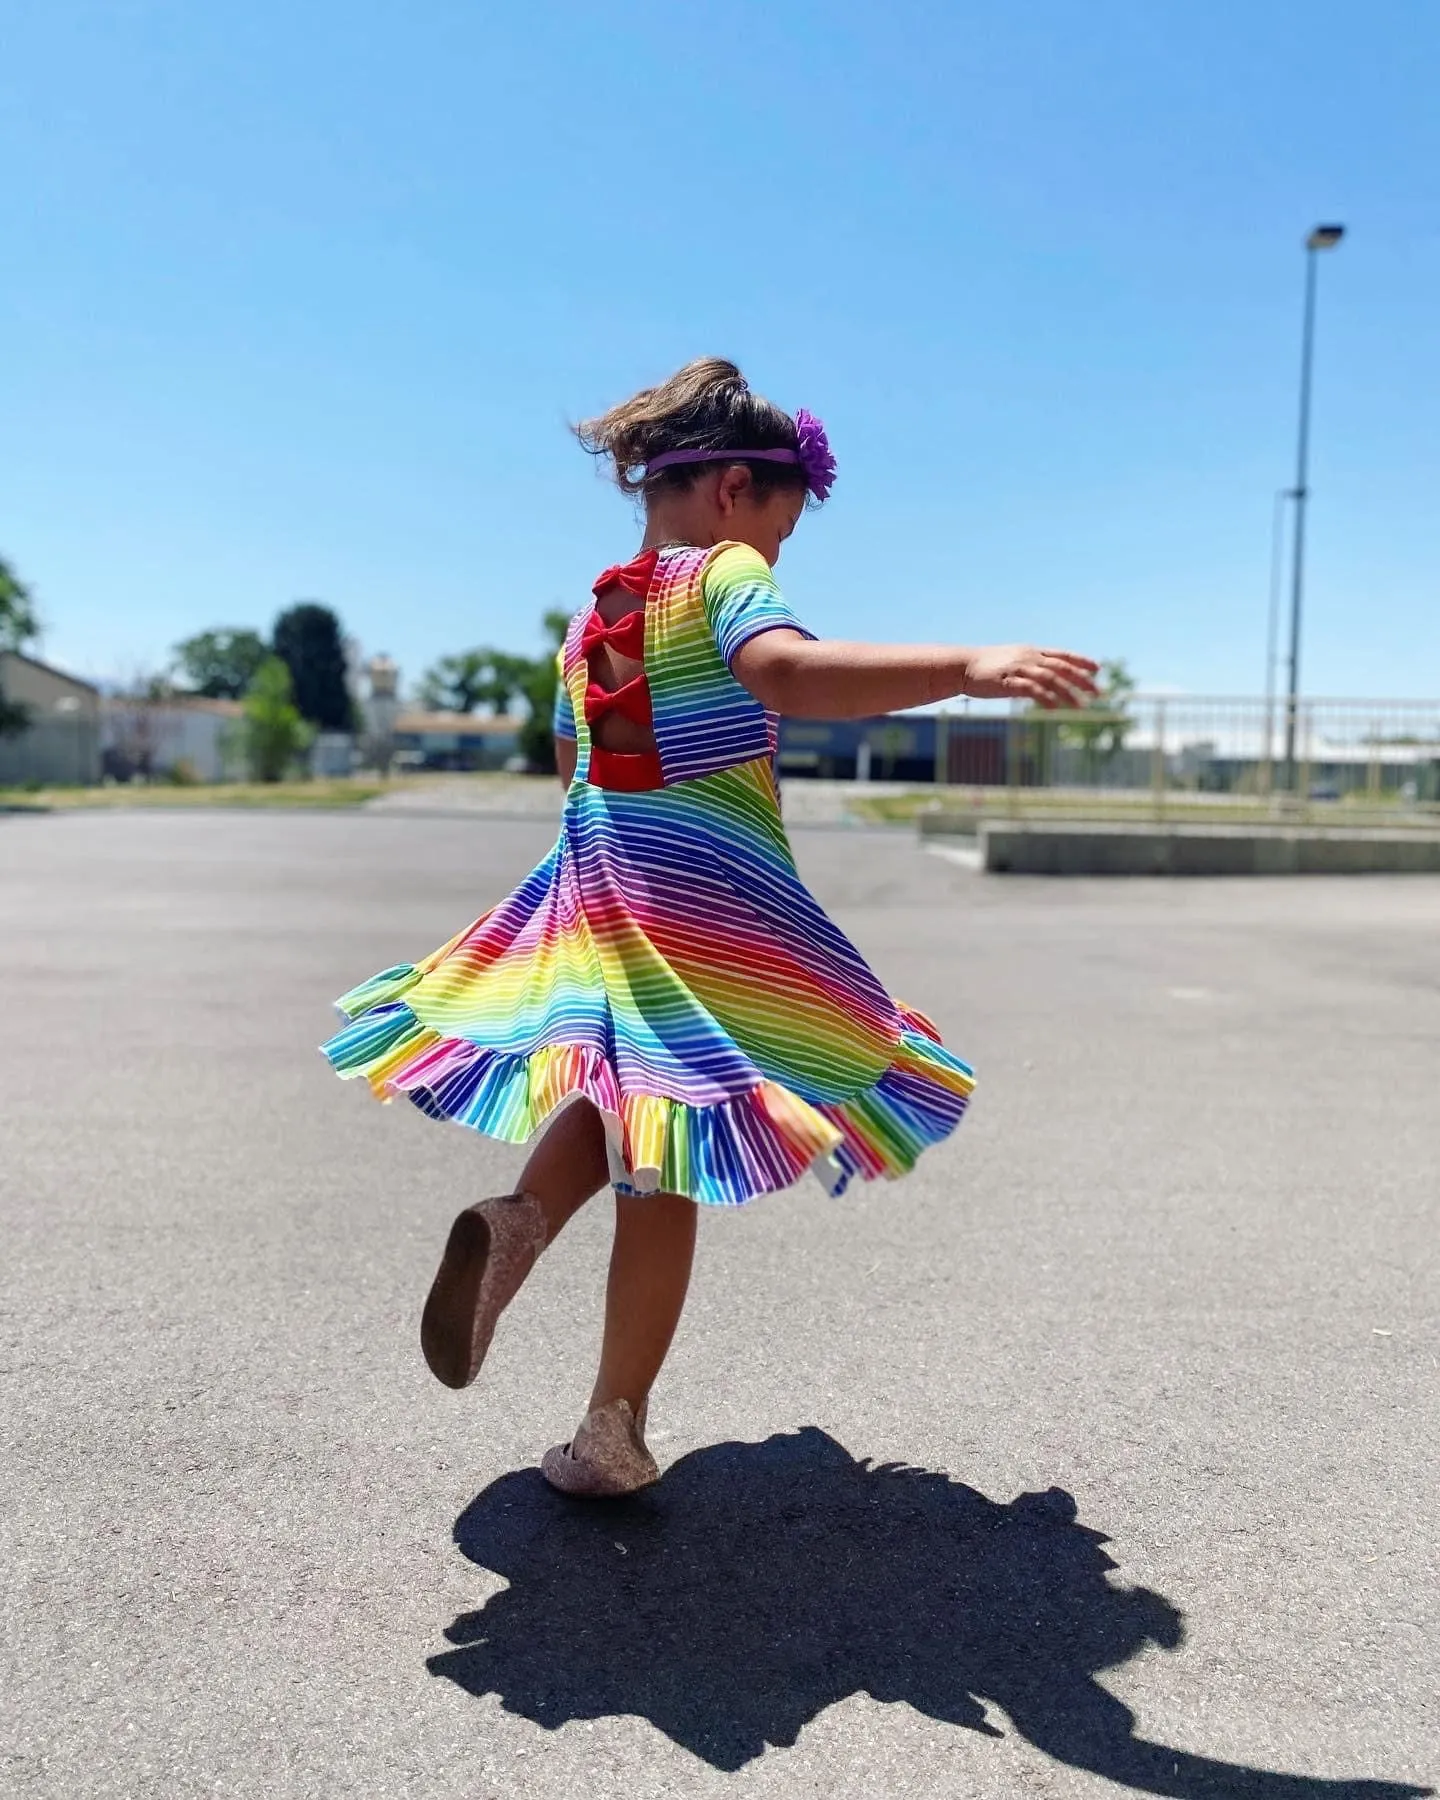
x=1070, y=657
x=1063, y=692
x=1065, y=676
x=1033, y=690
x=1071, y=671
x=1055, y=679
x=1056, y=695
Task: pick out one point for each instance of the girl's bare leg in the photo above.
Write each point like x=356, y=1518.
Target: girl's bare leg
x=493, y=1245
x=649, y=1278
x=567, y=1166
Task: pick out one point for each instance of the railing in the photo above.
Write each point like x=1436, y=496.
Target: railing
x=62, y=751
x=1354, y=762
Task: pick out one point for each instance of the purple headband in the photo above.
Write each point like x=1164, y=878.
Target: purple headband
x=814, y=456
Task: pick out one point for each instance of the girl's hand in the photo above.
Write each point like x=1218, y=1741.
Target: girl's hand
x=1053, y=678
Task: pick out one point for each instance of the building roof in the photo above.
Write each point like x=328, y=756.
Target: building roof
x=453, y=724
x=49, y=669
x=190, y=703
x=225, y=709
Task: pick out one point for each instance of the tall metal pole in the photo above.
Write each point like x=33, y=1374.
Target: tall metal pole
x=1323, y=237
x=1272, y=632
x=1301, y=495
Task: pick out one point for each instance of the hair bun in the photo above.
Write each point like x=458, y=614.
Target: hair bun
x=707, y=405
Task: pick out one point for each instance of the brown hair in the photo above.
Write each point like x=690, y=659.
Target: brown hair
x=707, y=405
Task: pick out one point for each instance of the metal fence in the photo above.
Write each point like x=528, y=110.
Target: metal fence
x=1353, y=760
x=61, y=752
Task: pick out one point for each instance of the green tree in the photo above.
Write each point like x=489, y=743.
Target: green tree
x=307, y=640
x=537, y=733
x=19, y=622
x=890, y=743
x=275, y=733
x=508, y=676
x=479, y=677
x=221, y=664
x=455, y=683
x=1102, y=737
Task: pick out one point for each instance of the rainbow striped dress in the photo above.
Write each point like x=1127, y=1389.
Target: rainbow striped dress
x=665, y=961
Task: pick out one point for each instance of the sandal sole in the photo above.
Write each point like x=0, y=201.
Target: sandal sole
x=585, y=1487
x=451, y=1334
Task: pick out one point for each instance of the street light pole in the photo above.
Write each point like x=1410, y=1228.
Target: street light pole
x=1272, y=631
x=1323, y=237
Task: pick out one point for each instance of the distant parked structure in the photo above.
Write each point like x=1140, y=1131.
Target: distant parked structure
x=59, y=745
x=441, y=740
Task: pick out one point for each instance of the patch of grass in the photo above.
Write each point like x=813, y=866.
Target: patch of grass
x=892, y=809
x=302, y=794
x=968, y=807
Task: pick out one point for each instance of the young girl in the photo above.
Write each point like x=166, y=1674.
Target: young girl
x=661, y=1006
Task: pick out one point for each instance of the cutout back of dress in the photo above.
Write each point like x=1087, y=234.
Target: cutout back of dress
x=618, y=711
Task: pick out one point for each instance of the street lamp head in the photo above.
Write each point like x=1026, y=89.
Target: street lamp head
x=1325, y=237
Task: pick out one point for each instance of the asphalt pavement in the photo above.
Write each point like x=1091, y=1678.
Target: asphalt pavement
x=1099, y=1456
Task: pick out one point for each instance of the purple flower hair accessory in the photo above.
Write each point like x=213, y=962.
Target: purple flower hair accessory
x=813, y=455
x=816, y=457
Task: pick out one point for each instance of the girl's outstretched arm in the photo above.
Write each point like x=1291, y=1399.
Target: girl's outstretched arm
x=828, y=680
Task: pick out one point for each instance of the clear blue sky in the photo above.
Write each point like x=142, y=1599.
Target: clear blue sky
x=299, y=297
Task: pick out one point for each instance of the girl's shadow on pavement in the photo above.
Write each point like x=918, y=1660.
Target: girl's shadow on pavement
x=760, y=1583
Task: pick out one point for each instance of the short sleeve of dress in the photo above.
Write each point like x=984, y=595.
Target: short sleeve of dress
x=742, y=600
x=564, y=706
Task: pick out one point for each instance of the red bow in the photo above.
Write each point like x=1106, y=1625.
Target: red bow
x=632, y=702
x=626, y=637
x=635, y=576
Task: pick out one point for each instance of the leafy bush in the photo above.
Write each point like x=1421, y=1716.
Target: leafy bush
x=275, y=734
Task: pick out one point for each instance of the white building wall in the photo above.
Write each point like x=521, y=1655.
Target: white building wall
x=206, y=739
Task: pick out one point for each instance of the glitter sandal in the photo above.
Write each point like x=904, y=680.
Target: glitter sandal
x=492, y=1247
x=606, y=1458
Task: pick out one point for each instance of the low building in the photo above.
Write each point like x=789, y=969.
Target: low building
x=186, y=737
x=441, y=740
x=175, y=736
x=909, y=747
x=1333, y=771
x=59, y=743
